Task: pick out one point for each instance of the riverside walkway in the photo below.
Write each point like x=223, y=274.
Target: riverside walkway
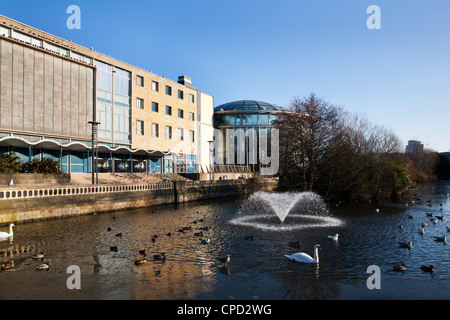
x=82, y=184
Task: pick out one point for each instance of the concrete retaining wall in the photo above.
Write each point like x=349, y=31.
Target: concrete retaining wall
x=68, y=205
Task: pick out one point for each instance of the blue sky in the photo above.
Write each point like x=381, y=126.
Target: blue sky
x=398, y=76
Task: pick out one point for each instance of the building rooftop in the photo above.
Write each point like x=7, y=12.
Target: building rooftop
x=248, y=105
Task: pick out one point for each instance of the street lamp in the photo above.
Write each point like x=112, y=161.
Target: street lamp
x=211, y=163
x=94, y=170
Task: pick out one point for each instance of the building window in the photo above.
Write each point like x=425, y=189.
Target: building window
x=155, y=106
x=168, y=132
x=191, y=136
x=140, y=103
x=104, y=76
x=191, y=98
x=169, y=110
x=114, y=114
x=241, y=119
x=180, y=134
x=180, y=113
x=155, y=86
x=252, y=119
x=140, y=81
x=263, y=119
x=155, y=130
x=230, y=120
x=4, y=31
x=191, y=116
x=121, y=82
x=180, y=94
x=168, y=90
x=140, y=127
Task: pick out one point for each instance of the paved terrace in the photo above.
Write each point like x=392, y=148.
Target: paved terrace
x=85, y=179
x=125, y=178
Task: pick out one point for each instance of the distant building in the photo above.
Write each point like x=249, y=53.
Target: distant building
x=414, y=147
x=445, y=154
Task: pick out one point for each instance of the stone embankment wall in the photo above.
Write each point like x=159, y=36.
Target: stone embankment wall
x=34, y=204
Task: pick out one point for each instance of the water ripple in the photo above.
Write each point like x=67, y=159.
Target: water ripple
x=296, y=222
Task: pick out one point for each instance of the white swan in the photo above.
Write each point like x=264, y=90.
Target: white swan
x=334, y=238
x=4, y=235
x=304, y=257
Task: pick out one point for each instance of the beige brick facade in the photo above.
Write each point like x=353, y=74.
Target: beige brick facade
x=160, y=99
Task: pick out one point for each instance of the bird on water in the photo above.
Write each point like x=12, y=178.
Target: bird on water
x=429, y=268
x=407, y=245
x=224, y=260
x=161, y=256
x=44, y=266
x=401, y=268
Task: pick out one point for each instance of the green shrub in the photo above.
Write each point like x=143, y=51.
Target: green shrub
x=10, y=163
x=46, y=166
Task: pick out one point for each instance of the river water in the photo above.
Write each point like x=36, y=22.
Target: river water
x=257, y=269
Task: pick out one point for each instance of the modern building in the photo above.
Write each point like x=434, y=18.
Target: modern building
x=51, y=89
x=243, y=128
x=414, y=147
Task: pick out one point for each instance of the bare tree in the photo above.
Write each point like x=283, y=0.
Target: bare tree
x=305, y=135
x=339, y=154
x=365, y=137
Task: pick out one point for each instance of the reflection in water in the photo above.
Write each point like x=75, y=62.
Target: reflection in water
x=86, y=242
x=308, y=285
x=258, y=268
x=224, y=270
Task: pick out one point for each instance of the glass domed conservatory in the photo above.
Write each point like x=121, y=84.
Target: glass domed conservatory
x=243, y=132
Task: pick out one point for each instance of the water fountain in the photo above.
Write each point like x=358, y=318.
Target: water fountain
x=294, y=210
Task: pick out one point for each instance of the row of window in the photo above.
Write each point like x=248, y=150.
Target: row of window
x=155, y=87
x=155, y=108
x=155, y=131
x=22, y=37
x=244, y=119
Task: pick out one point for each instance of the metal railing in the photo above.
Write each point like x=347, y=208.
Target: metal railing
x=56, y=191
x=25, y=193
